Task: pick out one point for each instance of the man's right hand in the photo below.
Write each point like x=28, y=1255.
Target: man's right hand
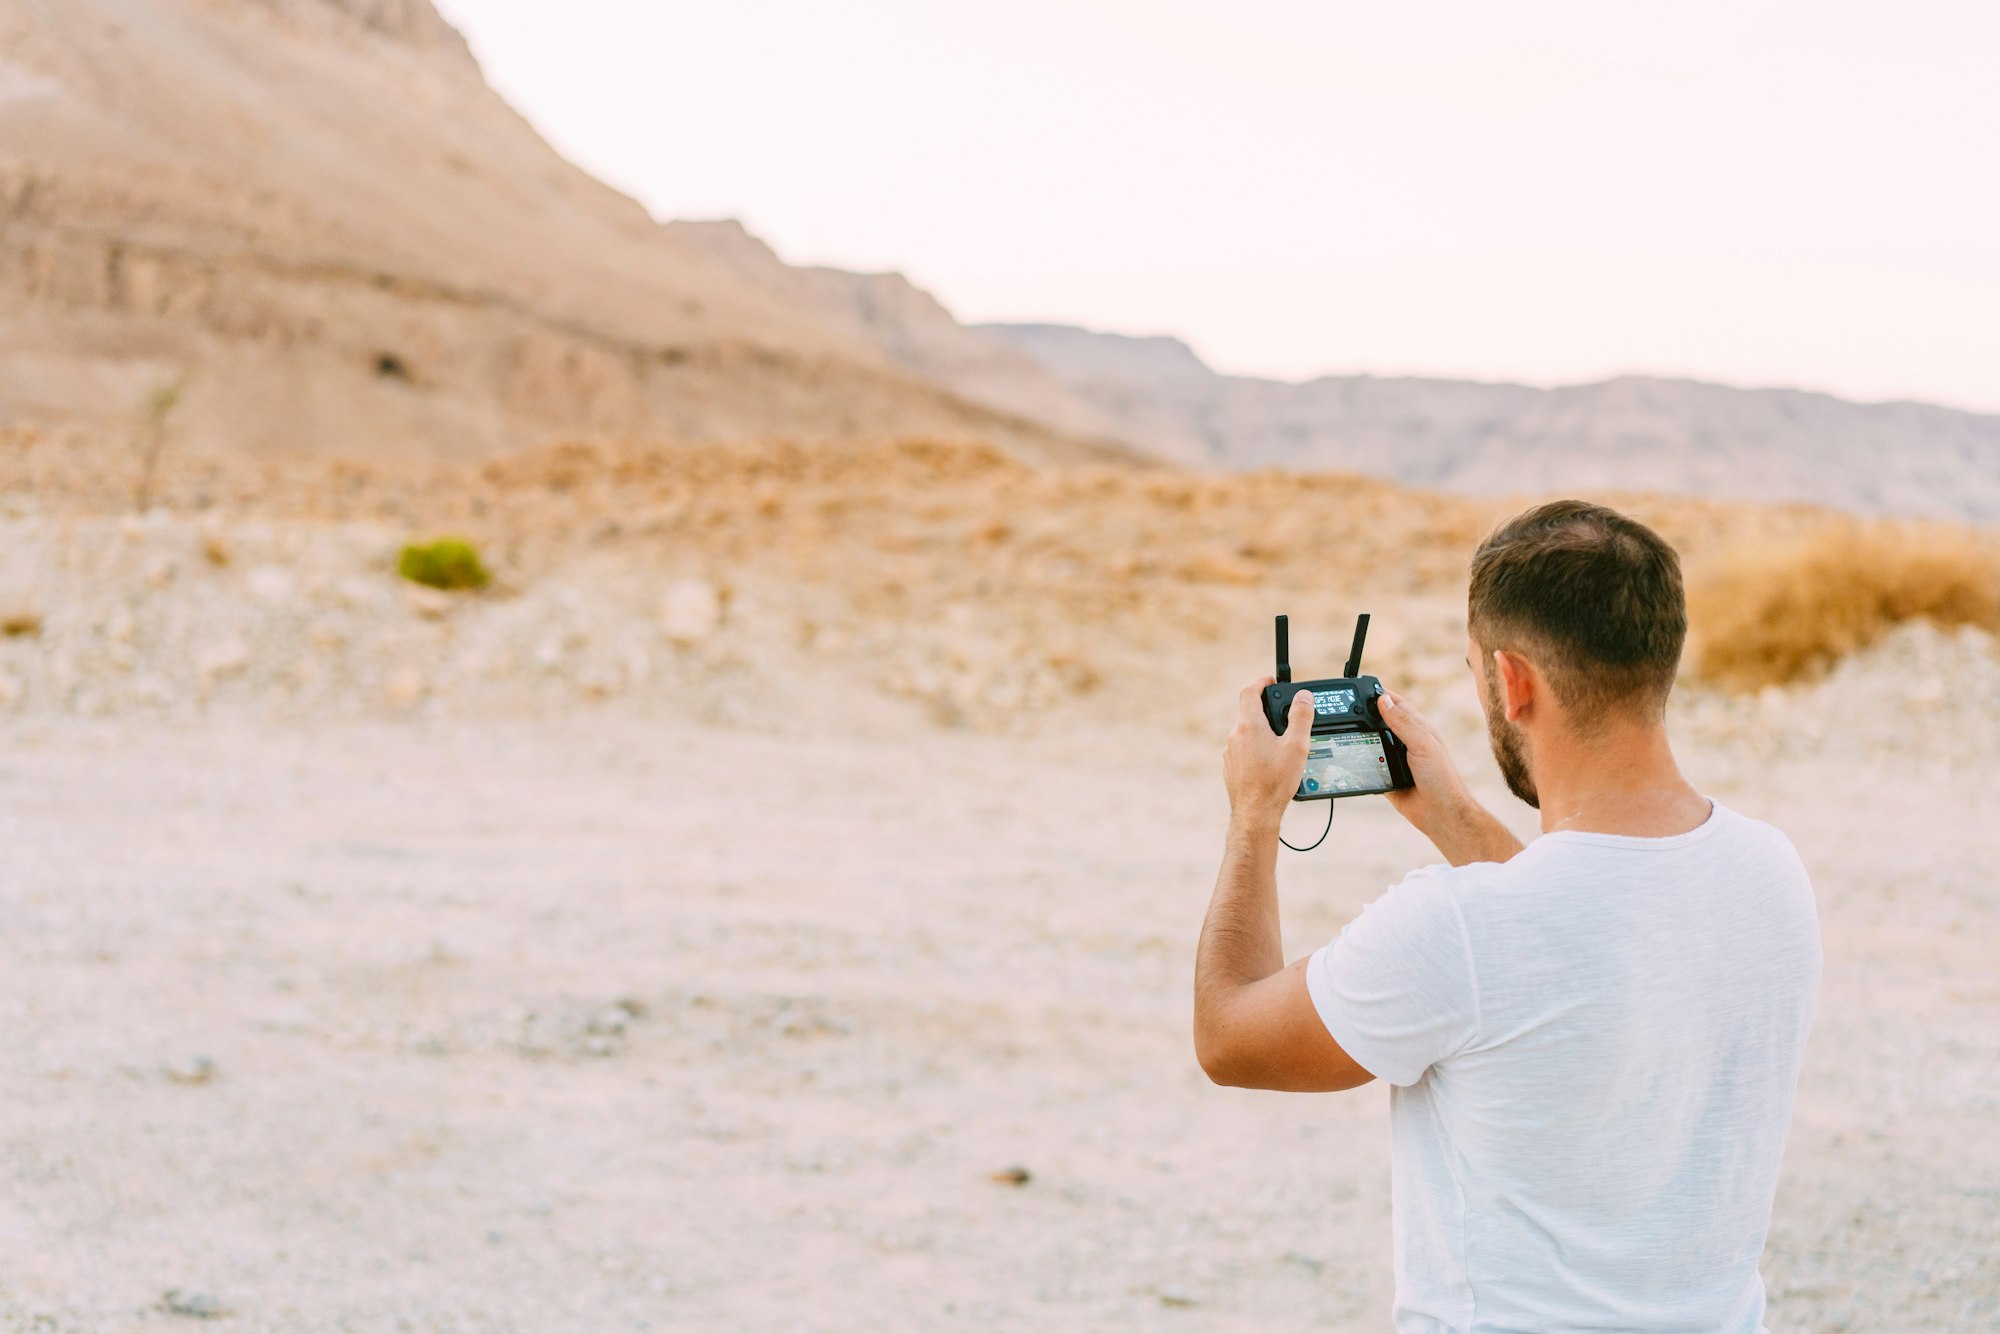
x=1440, y=806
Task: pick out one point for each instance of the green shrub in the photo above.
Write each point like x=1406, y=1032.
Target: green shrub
x=449, y=562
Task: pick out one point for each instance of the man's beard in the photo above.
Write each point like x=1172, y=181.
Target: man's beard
x=1508, y=751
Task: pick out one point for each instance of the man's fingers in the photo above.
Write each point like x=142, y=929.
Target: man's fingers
x=1396, y=711
x=1299, y=723
x=1250, y=701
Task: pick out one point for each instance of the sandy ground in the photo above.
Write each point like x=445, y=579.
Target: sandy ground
x=684, y=932
x=618, y=1022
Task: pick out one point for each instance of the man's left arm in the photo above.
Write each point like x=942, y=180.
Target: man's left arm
x=1255, y=1025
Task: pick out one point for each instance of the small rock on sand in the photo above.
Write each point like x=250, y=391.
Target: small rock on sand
x=429, y=603
x=226, y=658
x=197, y=1305
x=613, y=1019
x=190, y=1070
x=404, y=688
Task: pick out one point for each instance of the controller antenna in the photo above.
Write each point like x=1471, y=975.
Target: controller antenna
x=1284, y=651
x=1360, y=638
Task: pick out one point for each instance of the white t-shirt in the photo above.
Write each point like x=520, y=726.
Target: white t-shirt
x=1594, y=1047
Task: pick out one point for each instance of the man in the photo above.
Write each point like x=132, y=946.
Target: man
x=1594, y=1039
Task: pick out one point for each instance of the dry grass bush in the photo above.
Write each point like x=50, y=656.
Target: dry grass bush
x=1777, y=612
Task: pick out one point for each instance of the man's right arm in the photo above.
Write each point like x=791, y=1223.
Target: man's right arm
x=1439, y=805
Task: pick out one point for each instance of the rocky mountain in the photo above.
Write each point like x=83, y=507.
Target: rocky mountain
x=318, y=213
x=1630, y=433
x=318, y=216
x=912, y=327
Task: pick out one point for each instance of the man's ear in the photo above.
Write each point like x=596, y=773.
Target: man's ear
x=1517, y=683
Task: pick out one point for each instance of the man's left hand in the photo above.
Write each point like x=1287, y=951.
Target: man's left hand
x=1260, y=768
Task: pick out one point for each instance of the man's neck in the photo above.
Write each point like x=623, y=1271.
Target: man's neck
x=1623, y=781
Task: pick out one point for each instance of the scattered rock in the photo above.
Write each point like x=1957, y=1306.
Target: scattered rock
x=196, y=1305
x=690, y=611
x=291, y=1018
x=190, y=1070
x=613, y=1019
x=427, y=602
x=219, y=660
x=1016, y=1175
x=357, y=593
x=808, y=1023
x=405, y=687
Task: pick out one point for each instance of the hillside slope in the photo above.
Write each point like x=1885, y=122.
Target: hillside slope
x=914, y=330
x=319, y=213
x=1631, y=433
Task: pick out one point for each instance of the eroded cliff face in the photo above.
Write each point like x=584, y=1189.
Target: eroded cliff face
x=318, y=214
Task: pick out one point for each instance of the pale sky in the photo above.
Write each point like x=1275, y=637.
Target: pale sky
x=1799, y=194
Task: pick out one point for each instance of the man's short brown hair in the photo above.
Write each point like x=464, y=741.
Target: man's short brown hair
x=1592, y=597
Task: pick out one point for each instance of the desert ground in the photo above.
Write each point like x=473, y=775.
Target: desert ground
x=772, y=905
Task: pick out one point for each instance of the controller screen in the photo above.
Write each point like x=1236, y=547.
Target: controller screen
x=1346, y=762
x=1333, y=701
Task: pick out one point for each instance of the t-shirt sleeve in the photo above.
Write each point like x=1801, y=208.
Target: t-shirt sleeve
x=1397, y=987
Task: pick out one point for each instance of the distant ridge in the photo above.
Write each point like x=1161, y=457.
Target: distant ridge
x=1628, y=433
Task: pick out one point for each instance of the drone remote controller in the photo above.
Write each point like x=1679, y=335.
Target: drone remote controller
x=1353, y=753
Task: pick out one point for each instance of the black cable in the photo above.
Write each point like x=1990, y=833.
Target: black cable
x=1322, y=833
